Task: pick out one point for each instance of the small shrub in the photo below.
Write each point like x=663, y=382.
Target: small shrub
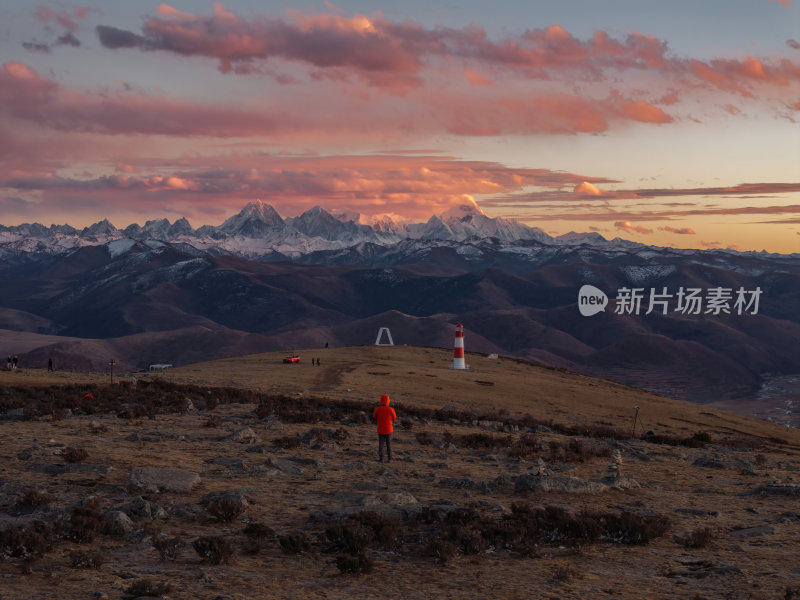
x=633, y=528
x=257, y=537
x=212, y=421
x=526, y=445
x=258, y=530
x=226, y=508
x=294, y=543
x=215, y=550
x=86, y=560
x=356, y=564
x=75, y=455
x=467, y=539
x=148, y=587
x=387, y=531
x=699, y=538
x=424, y=438
x=442, y=551
x=31, y=497
x=349, y=536
x=168, y=548
x=462, y=516
x=287, y=442
x=407, y=424
x=361, y=418
x=563, y=574
x=28, y=542
x=86, y=522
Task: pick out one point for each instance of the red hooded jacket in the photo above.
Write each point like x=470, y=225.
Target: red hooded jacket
x=384, y=415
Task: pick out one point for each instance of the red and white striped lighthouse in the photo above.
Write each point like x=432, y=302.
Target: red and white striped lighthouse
x=458, y=349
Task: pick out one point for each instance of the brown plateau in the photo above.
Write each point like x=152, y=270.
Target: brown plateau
x=724, y=484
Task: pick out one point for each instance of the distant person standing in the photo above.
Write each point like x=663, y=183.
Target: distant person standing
x=8, y=364
x=49, y=364
x=384, y=415
x=15, y=362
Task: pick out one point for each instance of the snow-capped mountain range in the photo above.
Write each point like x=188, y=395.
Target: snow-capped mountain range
x=259, y=232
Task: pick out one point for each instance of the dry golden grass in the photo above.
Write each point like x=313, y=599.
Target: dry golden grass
x=759, y=563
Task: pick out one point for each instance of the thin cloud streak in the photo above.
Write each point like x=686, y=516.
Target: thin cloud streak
x=416, y=186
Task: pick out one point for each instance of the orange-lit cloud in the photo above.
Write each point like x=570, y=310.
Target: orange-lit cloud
x=414, y=186
x=679, y=230
x=397, y=55
x=627, y=225
x=30, y=96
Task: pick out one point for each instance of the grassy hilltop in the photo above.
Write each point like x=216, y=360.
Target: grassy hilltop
x=250, y=478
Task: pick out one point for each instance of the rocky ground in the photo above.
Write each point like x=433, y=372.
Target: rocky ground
x=253, y=479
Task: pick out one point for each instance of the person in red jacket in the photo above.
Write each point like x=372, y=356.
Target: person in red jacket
x=384, y=415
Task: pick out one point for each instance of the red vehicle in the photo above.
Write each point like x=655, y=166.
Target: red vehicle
x=292, y=358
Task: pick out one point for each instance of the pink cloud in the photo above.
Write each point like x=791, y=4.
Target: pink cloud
x=705, y=244
x=679, y=230
x=29, y=96
x=584, y=188
x=414, y=186
x=784, y=2
x=627, y=225
x=64, y=17
x=397, y=56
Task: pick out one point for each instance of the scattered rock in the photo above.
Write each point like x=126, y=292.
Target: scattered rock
x=502, y=480
x=358, y=465
x=272, y=422
x=62, y=468
x=302, y=460
x=155, y=479
x=390, y=498
x=366, y=486
x=119, y=523
x=750, y=532
x=557, y=483
x=236, y=498
x=464, y=483
x=284, y=465
x=702, y=569
x=624, y=482
x=778, y=489
x=234, y=464
x=698, y=512
x=139, y=508
x=244, y=436
x=717, y=463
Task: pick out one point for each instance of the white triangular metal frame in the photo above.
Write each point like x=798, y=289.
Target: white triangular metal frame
x=388, y=335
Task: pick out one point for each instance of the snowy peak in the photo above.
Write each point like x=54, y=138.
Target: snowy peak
x=317, y=222
x=255, y=220
x=464, y=213
x=574, y=237
x=102, y=228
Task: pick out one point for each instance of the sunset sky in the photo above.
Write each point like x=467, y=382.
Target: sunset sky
x=669, y=123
